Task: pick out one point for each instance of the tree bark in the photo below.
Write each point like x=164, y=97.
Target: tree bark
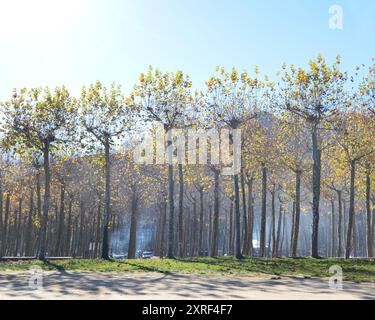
x=69, y=228
x=170, y=253
x=201, y=222
x=107, y=201
x=279, y=231
x=316, y=192
x=180, y=210
x=61, y=223
x=47, y=185
x=133, y=227
x=194, y=229
x=351, y=210
x=264, y=212
x=333, y=234
x=1, y=216
x=161, y=232
x=292, y=226
x=237, y=216
x=38, y=205
x=250, y=217
x=245, y=237
x=274, y=251
x=6, y=224
x=82, y=229
x=283, y=232
x=18, y=234
x=231, y=229
x=215, y=237
x=368, y=211
x=340, y=229
x=29, y=228
x=297, y=214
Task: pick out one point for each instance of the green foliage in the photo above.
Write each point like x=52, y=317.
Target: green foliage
x=163, y=97
x=233, y=98
x=315, y=93
x=103, y=114
x=37, y=118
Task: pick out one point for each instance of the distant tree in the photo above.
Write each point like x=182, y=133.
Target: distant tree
x=337, y=180
x=39, y=119
x=356, y=140
x=294, y=150
x=315, y=95
x=106, y=118
x=165, y=98
x=232, y=100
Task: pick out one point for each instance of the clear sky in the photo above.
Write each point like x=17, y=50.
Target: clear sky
x=75, y=42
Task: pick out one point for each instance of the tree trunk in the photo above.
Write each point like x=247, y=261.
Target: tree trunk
x=170, y=253
x=279, y=231
x=351, y=210
x=340, y=229
x=215, y=236
x=180, y=210
x=107, y=201
x=355, y=236
x=345, y=223
x=82, y=229
x=292, y=226
x=245, y=237
x=194, y=229
x=29, y=228
x=69, y=228
x=264, y=212
x=201, y=223
x=297, y=215
x=368, y=211
x=269, y=251
x=316, y=192
x=231, y=229
x=273, y=194
x=47, y=185
x=6, y=225
x=163, y=221
x=38, y=206
x=61, y=223
x=133, y=227
x=250, y=217
x=283, y=233
x=237, y=217
x=1, y=216
x=333, y=234
x=18, y=234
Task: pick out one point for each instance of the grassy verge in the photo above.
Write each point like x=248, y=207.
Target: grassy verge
x=358, y=270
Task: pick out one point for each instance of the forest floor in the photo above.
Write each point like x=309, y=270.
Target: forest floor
x=355, y=270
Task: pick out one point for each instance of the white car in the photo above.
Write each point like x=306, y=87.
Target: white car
x=147, y=255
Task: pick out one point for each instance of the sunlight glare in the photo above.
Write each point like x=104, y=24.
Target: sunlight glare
x=25, y=19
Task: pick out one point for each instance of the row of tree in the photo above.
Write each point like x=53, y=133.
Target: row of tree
x=307, y=141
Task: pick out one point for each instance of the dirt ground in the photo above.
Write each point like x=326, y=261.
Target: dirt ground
x=153, y=286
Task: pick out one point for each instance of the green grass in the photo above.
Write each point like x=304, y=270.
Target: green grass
x=358, y=270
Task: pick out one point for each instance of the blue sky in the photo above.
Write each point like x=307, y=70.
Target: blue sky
x=73, y=42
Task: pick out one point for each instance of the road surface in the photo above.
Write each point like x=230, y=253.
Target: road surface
x=154, y=286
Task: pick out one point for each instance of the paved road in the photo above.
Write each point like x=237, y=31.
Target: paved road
x=152, y=286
